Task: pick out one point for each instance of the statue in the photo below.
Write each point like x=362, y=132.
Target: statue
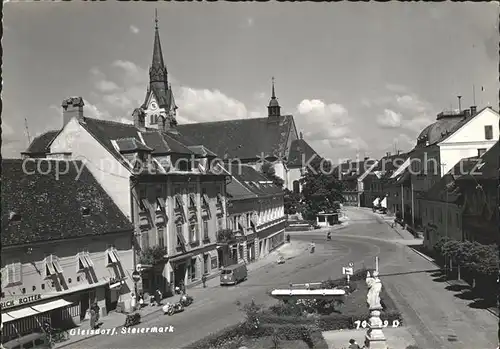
x=375, y=286
x=375, y=338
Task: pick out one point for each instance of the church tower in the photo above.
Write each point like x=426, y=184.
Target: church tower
x=273, y=110
x=159, y=105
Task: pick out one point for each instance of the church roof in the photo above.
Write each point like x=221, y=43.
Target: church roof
x=300, y=153
x=241, y=138
x=50, y=207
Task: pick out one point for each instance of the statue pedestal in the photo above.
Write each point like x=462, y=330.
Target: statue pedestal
x=375, y=338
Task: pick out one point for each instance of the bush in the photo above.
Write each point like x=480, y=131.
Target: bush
x=219, y=339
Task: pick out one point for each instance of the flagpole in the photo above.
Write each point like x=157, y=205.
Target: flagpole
x=474, y=94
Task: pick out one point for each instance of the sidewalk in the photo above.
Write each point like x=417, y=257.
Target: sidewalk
x=113, y=319
x=435, y=317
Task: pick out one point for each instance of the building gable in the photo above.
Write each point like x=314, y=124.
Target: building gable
x=474, y=129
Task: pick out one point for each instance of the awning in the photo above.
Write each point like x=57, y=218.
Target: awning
x=6, y=318
x=48, y=306
x=180, y=258
x=376, y=202
x=20, y=314
x=384, y=203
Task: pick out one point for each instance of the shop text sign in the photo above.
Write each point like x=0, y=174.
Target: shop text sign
x=20, y=301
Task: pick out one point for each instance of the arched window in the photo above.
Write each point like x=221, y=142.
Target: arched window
x=296, y=187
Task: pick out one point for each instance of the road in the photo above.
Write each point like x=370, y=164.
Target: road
x=366, y=235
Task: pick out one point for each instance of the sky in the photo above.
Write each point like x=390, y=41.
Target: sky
x=361, y=79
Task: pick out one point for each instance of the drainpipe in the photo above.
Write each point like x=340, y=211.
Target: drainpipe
x=402, y=205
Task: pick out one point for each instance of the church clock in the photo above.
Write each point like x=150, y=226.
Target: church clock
x=154, y=106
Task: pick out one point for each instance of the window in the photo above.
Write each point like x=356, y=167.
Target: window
x=180, y=235
x=449, y=218
x=206, y=262
x=481, y=151
x=178, y=201
x=219, y=224
x=488, y=132
x=205, y=228
x=192, y=201
x=84, y=261
x=144, y=240
x=203, y=191
x=52, y=266
x=192, y=269
x=112, y=256
x=160, y=204
x=161, y=237
x=193, y=232
x=14, y=273
x=440, y=215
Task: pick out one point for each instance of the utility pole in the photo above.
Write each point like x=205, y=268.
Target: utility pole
x=27, y=131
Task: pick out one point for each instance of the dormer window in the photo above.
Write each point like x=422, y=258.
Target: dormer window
x=14, y=217
x=52, y=266
x=85, y=211
x=84, y=261
x=112, y=257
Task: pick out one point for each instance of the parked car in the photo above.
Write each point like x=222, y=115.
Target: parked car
x=233, y=274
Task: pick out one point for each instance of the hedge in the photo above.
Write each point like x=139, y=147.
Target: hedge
x=310, y=334
x=330, y=322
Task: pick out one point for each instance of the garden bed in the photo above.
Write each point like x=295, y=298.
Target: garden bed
x=287, y=325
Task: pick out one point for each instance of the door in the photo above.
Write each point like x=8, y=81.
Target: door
x=206, y=261
x=179, y=273
x=84, y=305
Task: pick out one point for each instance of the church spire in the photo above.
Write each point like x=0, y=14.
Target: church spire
x=273, y=94
x=158, y=71
x=273, y=110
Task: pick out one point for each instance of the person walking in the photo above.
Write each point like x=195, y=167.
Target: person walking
x=204, y=280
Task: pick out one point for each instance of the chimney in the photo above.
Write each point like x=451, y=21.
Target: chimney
x=72, y=108
x=139, y=118
x=366, y=158
x=301, y=136
x=473, y=110
x=399, y=152
x=388, y=154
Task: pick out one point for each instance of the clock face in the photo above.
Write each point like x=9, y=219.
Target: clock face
x=154, y=106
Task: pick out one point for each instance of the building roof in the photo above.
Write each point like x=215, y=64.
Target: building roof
x=480, y=168
x=446, y=124
x=352, y=170
x=241, y=138
x=127, y=145
x=300, y=153
x=40, y=144
x=252, y=180
x=52, y=208
x=444, y=190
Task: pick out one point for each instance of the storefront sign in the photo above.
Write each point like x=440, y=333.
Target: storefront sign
x=20, y=301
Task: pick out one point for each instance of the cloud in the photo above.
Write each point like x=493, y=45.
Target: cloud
x=355, y=143
x=321, y=121
x=120, y=96
x=134, y=29
x=389, y=119
x=106, y=86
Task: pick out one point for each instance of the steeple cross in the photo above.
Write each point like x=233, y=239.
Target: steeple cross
x=156, y=18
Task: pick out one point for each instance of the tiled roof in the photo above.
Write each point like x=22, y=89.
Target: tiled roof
x=238, y=191
x=241, y=138
x=202, y=151
x=300, y=153
x=40, y=144
x=355, y=169
x=50, y=208
x=253, y=180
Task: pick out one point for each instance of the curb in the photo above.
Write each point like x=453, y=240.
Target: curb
x=424, y=256
x=155, y=312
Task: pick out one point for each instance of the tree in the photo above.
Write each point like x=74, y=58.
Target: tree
x=269, y=172
x=291, y=202
x=321, y=189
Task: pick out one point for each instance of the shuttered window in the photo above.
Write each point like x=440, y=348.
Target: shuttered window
x=14, y=272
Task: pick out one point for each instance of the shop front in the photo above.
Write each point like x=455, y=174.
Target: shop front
x=179, y=266
x=271, y=238
x=250, y=247
x=23, y=317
